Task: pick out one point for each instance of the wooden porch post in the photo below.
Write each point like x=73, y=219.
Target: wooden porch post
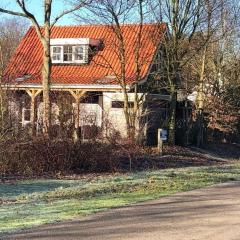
x=77, y=94
x=33, y=94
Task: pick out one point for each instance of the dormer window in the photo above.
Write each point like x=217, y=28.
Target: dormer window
x=69, y=50
x=72, y=50
x=69, y=54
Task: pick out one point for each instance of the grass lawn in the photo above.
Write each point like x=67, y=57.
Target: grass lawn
x=31, y=203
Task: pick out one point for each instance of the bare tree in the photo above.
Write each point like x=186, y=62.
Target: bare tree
x=1, y=92
x=114, y=14
x=214, y=82
x=184, y=19
x=44, y=36
x=209, y=52
x=11, y=32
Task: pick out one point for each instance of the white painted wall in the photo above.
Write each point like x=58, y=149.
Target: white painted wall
x=90, y=114
x=14, y=111
x=115, y=115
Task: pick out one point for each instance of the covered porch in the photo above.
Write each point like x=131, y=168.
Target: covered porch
x=81, y=112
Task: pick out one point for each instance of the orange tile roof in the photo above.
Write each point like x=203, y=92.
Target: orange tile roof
x=28, y=56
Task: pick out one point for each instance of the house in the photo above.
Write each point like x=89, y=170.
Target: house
x=85, y=71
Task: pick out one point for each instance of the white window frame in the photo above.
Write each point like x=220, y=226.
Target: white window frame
x=61, y=54
x=74, y=60
x=24, y=120
x=75, y=53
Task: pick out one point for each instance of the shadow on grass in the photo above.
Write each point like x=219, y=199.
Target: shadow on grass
x=178, y=213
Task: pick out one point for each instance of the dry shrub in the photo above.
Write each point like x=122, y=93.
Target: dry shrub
x=39, y=157
x=34, y=157
x=95, y=157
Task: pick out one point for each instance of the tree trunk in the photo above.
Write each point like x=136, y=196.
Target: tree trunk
x=127, y=113
x=1, y=111
x=45, y=40
x=200, y=128
x=46, y=72
x=200, y=101
x=172, y=116
x=1, y=91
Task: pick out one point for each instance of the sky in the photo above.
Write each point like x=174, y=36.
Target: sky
x=36, y=7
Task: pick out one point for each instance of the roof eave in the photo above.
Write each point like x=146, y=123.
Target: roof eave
x=58, y=87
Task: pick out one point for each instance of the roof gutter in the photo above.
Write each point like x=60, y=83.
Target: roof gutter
x=113, y=87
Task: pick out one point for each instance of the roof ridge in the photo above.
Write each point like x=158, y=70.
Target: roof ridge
x=105, y=25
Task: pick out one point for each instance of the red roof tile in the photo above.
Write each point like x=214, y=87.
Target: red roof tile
x=28, y=56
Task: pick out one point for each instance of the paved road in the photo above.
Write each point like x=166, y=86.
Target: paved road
x=207, y=214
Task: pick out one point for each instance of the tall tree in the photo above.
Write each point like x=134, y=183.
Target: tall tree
x=183, y=18
x=1, y=92
x=44, y=35
x=209, y=52
x=115, y=14
x=214, y=84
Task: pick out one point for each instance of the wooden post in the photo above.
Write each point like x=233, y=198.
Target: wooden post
x=77, y=94
x=33, y=94
x=160, y=142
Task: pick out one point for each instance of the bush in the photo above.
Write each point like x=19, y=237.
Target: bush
x=39, y=157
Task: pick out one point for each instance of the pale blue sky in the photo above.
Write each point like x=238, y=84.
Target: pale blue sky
x=36, y=7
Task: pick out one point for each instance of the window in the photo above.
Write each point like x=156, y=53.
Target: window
x=56, y=53
x=26, y=115
x=69, y=54
x=120, y=104
x=79, y=53
x=117, y=104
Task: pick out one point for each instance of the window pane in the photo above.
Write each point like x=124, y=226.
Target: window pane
x=79, y=49
x=27, y=114
x=67, y=49
x=120, y=104
x=67, y=57
x=56, y=57
x=56, y=49
x=78, y=56
x=117, y=104
x=79, y=53
x=56, y=53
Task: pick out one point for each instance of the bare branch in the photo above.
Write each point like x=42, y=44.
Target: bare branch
x=31, y=17
x=75, y=8
x=13, y=13
x=25, y=14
